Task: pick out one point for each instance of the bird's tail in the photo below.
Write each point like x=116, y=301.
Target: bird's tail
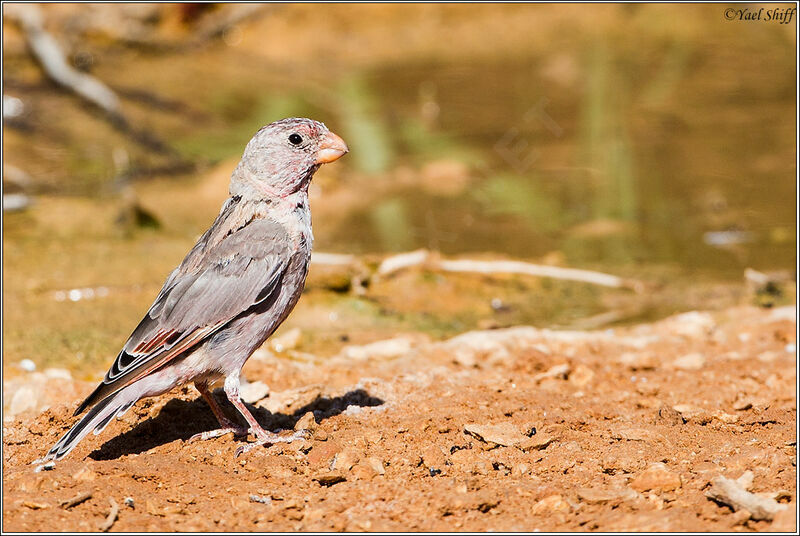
x=95, y=420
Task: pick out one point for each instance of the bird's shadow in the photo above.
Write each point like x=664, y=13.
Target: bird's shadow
x=181, y=419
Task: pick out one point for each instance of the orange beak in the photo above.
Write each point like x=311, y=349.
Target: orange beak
x=332, y=148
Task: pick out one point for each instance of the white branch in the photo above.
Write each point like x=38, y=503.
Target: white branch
x=403, y=260
x=536, y=270
x=433, y=261
x=734, y=494
x=48, y=53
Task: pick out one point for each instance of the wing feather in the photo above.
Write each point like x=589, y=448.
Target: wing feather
x=200, y=297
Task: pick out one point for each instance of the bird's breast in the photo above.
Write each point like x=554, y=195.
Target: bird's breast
x=301, y=226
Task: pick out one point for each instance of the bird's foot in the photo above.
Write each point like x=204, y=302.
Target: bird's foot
x=237, y=431
x=270, y=438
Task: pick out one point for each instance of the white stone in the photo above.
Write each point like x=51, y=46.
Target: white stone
x=693, y=324
x=253, y=392
x=556, y=371
x=787, y=312
x=380, y=350
x=353, y=410
x=287, y=341
x=694, y=361
x=59, y=373
x=24, y=399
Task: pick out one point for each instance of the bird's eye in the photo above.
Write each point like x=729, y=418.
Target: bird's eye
x=295, y=139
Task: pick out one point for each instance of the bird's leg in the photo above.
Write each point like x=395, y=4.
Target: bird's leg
x=226, y=425
x=263, y=437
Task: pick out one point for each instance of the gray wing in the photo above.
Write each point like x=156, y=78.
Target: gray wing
x=239, y=272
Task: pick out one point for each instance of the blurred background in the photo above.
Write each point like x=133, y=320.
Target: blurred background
x=652, y=142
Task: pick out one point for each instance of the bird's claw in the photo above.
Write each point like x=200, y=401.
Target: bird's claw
x=270, y=438
x=211, y=434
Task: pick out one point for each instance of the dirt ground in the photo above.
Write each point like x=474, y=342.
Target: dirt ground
x=508, y=430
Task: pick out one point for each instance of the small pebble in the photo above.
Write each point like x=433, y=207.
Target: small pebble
x=27, y=365
x=253, y=392
x=791, y=348
x=656, y=477
x=260, y=499
x=329, y=479
x=287, y=341
x=129, y=502
x=34, y=505
x=59, y=373
x=550, y=504
x=694, y=361
x=306, y=422
x=352, y=409
x=24, y=399
x=376, y=465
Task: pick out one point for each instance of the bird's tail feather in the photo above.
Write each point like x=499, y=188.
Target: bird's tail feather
x=95, y=420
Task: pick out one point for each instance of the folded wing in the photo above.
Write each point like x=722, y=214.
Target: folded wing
x=199, y=298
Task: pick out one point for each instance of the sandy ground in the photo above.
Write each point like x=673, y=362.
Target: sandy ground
x=516, y=429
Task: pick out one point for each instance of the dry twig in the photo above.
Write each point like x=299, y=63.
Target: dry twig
x=733, y=493
x=48, y=53
x=112, y=516
x=432, y=261
x=76, y=500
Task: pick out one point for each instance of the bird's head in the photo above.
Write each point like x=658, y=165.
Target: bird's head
x=282, y=156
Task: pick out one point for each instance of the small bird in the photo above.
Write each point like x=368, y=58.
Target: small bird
x=231, y=292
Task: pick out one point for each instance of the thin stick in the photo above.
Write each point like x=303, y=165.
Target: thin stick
x=112, y=516
x=76, y=500
x=431, y=261
x=48, y=53
x=733, y=494
x=537, y=270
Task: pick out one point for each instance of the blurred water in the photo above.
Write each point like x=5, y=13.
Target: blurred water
x=660, y=136
x=617, y=161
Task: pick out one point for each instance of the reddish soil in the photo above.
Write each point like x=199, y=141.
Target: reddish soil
x=698, y=395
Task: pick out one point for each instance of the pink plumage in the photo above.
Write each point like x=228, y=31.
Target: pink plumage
x=232, y=290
